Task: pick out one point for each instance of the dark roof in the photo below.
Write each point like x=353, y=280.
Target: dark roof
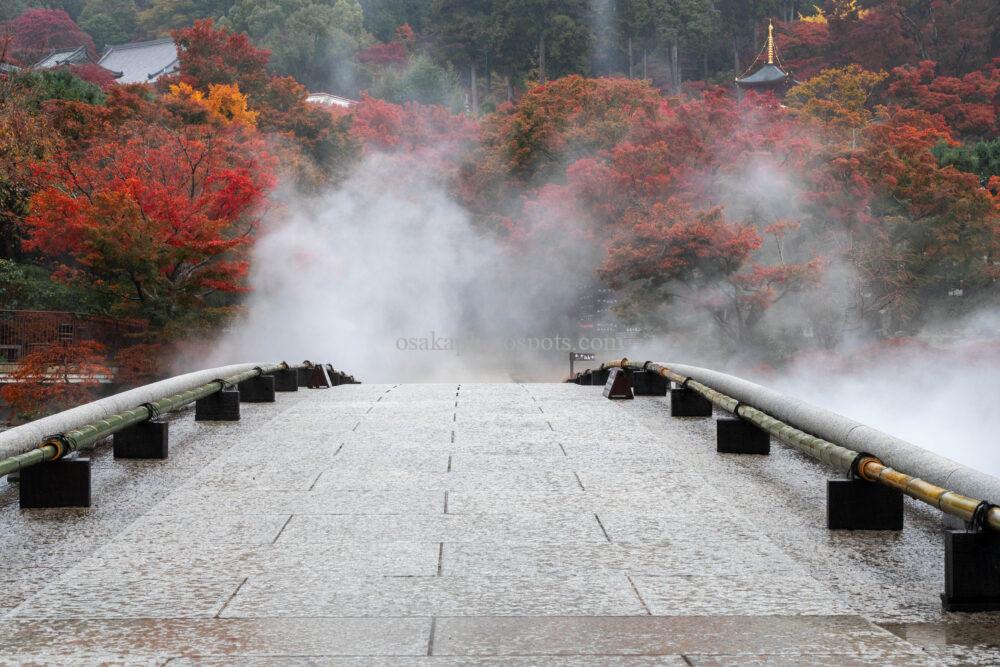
x=768, y=74
x=64, y=57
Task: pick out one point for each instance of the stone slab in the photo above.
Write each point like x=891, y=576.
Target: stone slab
x=735, y=635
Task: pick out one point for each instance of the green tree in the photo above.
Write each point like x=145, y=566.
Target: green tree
x=636, y=26
x=981, y=158
x=690, y=23
x=464, y=29
x=741, y=22
x=382, y=17
x=57, y=84
x=420, y=81
x=551, y=37
x=109, y=21
x=162, y=16
x=11, y=9
x=29, y=287
x=312, y=40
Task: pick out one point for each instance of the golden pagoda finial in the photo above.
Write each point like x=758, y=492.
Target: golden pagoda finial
x=770, y=43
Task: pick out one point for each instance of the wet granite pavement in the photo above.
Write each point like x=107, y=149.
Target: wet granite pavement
x=468, y=524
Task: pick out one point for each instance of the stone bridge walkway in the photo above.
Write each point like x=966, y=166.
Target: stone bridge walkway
x=458, y=524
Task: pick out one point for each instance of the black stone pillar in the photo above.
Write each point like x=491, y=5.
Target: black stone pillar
x=736, y=436
x=857, y=504
x=221, y=406
x=971, y=571
x=685, y=402
x=145, y=440
x=62, y=483
x=257, y=390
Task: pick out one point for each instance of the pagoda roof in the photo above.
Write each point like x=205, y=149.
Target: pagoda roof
x=766, y=75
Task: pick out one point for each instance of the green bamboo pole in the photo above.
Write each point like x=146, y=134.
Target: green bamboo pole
x=846, y=460
x=85, y=436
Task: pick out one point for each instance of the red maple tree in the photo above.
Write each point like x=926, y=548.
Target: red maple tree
x=55, y=377
x=154, y=215
x=36, y=32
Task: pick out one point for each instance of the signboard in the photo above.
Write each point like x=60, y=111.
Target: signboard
x=579, y=356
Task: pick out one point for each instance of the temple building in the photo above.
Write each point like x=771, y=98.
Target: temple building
x=135, y=62
x=769, y=77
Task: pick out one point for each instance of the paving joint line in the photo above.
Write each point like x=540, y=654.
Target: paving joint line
x=636, y=591
x=601, y=524
x=283, y=526
x=218, y=614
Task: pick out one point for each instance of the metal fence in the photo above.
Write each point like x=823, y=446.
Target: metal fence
x=22, y=331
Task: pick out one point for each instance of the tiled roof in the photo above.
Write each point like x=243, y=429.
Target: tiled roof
x=141, y=62
x=64, y=57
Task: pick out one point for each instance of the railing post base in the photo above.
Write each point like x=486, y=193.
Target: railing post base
x=62, y=483
x=318, y=378
x=645, y=383
x=971, y=571
x=685, y=402
x=286, y=380
x=735, y=436
x=857, y=504
x=257, y=390
x=221, y=406
x=145, y=440
x=617, y=385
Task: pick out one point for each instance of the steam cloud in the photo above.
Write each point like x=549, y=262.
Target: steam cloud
x=387, y=278
x=375, y=275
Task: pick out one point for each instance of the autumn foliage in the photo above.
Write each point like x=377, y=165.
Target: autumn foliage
x=36, y=32
x=877, y=175
x=55, y=377
x=155, y=216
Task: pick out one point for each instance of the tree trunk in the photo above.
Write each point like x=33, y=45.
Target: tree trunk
x=541, y=58
x=510, y=86
x=736, y=57
x=704, y=65
x=644, y=63
x=489, y=77
x=630, y=72
x=475, y=88
x=675, y=67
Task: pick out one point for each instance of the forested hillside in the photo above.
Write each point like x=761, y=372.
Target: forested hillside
x=863, y=202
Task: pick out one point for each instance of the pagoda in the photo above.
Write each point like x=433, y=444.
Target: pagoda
x=769, y=77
